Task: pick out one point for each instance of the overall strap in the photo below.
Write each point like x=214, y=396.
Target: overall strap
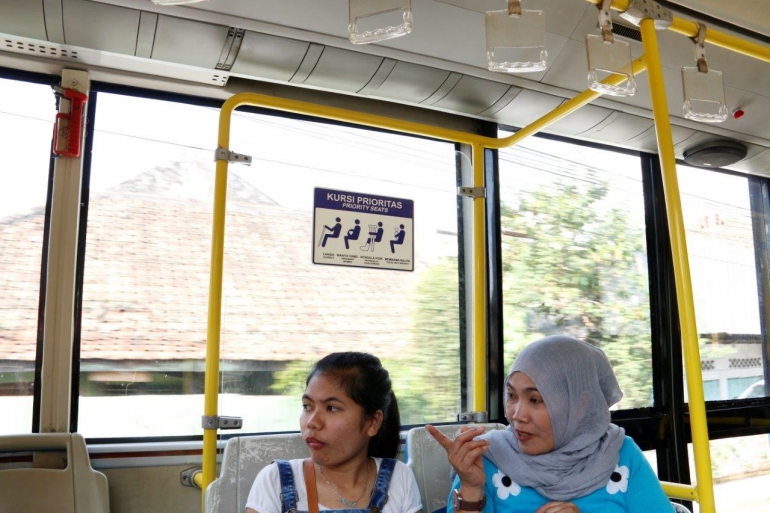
x=312, y=494
x=288, y=490
x=380, y=493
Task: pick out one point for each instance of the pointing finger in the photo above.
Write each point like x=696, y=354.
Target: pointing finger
x=440, y=437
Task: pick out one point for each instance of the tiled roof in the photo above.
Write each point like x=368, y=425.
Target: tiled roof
x=146, y=281
x=21, y=243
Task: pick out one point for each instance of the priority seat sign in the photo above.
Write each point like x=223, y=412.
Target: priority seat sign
x=363, y=230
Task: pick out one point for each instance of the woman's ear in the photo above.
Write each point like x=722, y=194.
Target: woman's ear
x=374, y=423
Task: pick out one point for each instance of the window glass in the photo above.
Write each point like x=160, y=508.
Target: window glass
x=740, y=469
x=26, y=113
x=711, y=389
x=736, y=387
x=574, y=254
x=720, y=242
x=146, y=282
x=282, y=312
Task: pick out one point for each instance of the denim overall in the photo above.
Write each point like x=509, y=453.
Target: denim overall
x=376, y=503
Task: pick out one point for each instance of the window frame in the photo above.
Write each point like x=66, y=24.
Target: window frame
x=49, y=80
x=96, y=88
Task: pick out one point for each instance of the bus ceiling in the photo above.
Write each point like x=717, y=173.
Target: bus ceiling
x=215, y=43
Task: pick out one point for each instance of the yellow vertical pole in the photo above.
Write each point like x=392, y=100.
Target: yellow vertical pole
x=479, y=285
x=211, y=382
x=676, y=229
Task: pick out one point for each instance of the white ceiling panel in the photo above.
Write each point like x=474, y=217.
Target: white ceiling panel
x=619, y=128
x=456, y=35
x=480, y=5
x=648, y=140
x=106, y=27
x=188, y=42
x=560, y=16
x=527, y=107
x=472, y=95
x=410, y=82
x=580, y=121
x=503, y=102
x=23, y=18
x=270, y=57
x=343, y=70
x=756, y=164
x=752, y=15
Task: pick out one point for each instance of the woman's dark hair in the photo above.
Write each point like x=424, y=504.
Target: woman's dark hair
x=366, y=381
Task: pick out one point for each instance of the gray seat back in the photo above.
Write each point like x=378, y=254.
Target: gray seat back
x=428, y=461
x=243, y=458
x=77, y=488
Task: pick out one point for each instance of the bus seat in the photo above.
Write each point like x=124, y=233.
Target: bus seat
x=77, y=488
x=428, y=461
x=678, y=508
x=242, y=460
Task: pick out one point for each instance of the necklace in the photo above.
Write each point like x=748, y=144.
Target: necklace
x=343, y=500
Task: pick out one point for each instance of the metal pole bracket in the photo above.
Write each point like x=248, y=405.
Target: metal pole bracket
x=217, y=422
x=187, y=477
x=472, y=192
x=639, y=10
x=231, y=156
x=479, y=417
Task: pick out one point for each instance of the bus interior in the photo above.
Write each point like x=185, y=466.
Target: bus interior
x=151, y=280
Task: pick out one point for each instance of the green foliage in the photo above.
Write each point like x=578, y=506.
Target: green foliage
x=427, y=381
x=577, y=267
x=291, y=380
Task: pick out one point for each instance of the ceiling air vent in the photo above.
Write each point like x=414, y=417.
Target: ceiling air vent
x=715, y=154
x=627, y=32
x=624, y=31
x=36, y=49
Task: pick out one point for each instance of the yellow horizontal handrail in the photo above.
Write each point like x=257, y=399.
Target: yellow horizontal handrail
x=680, y=491
x=713, y=36
x=566, y=108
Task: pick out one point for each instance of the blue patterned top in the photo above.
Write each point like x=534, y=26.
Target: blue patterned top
x=632, y=488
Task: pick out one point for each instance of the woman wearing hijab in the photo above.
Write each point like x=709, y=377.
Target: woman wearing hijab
x=560, y=453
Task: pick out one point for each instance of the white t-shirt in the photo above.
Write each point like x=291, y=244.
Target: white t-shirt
x=264, y=497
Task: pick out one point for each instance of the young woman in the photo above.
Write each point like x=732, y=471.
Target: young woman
x=560, y=453
x=351, y=425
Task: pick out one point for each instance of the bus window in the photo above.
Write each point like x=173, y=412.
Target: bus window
x=720, y=241
x=574, y=254
x=27, y=111
x=145, y=282
x=740, y=467
x=282, y=312
x=146, y=277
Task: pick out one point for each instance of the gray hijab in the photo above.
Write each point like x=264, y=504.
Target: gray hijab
x=578, y=388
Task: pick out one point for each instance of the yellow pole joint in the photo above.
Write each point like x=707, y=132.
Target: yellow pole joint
x=690, y=29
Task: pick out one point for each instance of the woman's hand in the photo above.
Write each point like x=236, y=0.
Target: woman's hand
x=558, y=507
x=465, y=455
